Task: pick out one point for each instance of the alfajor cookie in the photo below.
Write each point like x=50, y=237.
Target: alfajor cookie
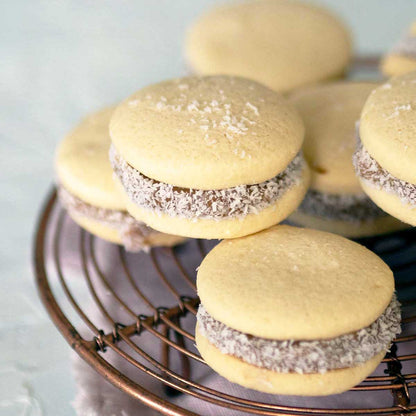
x=335, y=201
x=87, y=190
x=209, y=157
x=282, y=44
x=295, y=311
x=402, y=58
x=385, y=159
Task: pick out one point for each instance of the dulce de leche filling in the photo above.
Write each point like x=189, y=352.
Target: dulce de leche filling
x=132, y=232
x=304, y=357
x=370, y=171
x=349, y=208
x=236, y=202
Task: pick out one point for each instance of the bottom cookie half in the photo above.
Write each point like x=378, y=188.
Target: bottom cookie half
x=378, y=226
x=113, y=235
x=250, y=376
x=391, y=204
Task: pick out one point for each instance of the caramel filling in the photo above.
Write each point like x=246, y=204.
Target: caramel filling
x=349, y=208
x=236, y=202
x=304, y=357
x=369, y=170
x=133, y=233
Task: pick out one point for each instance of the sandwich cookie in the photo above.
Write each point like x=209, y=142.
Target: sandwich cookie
x=335, y=201
x=87, y=190
x=295, y=311
x=282, y=44
x=209, y=157
x=385, y=159
x=402, y=58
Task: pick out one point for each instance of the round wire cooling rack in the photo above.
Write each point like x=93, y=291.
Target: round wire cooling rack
x=131, y=317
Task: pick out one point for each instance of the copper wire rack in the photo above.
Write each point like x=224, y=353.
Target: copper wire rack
x=99, y=298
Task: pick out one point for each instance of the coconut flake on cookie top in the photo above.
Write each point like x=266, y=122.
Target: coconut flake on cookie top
x=388, y=126
x=207, y=132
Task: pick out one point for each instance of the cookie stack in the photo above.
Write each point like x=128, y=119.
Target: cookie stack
x=220, y=155
x=295, y=311
x=209, y=157
x=385, y=160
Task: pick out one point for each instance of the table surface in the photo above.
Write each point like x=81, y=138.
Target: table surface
x=61, y=59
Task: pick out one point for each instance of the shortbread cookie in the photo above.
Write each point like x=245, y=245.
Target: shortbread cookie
x=209, y=157
x=385, y=160
x=335, y=201
x=87, y=190
x=295, y=311
x=282, y=44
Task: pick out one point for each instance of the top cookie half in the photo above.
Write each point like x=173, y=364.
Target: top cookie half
x=82, y=164
x=207, y=132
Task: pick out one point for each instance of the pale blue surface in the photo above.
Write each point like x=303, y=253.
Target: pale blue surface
x=59, y=60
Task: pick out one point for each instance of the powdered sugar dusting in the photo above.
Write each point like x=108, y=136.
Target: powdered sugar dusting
x=304, y=357
x=236, y=202
x=369, y=170
x=132, y=232
x=349, y=208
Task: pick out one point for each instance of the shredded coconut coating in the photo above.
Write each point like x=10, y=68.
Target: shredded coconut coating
x=349, y=208
x=304, y=357
x=132, y=232
x=369, y=170
x=236, y=202
x=406, y=47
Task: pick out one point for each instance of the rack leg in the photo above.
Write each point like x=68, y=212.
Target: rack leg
x=401, y=396
x=165, y=359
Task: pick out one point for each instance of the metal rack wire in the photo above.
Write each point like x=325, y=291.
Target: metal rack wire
x=134, y=319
